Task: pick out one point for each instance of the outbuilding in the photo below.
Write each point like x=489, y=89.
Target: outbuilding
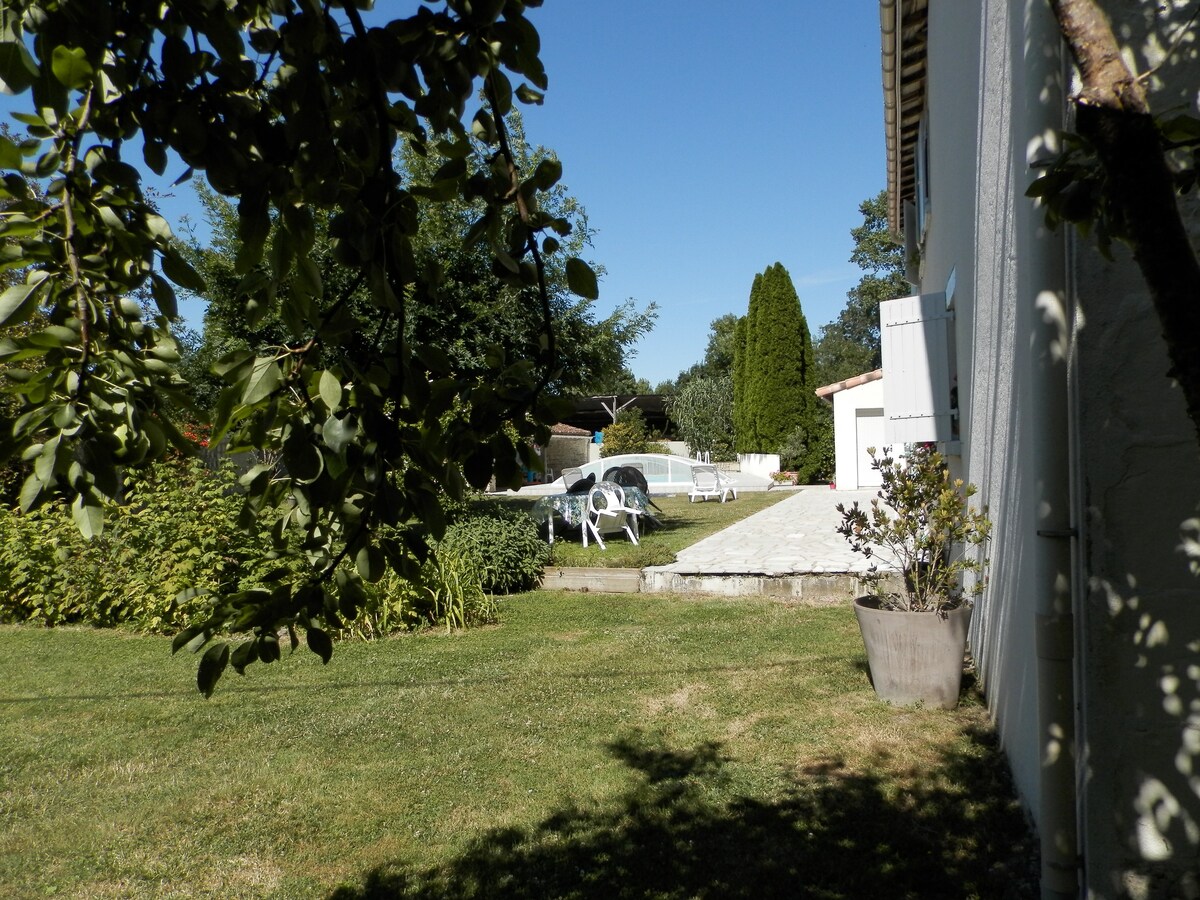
x=858, y=425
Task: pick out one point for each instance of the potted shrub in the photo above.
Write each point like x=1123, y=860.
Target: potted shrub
x=921, y=525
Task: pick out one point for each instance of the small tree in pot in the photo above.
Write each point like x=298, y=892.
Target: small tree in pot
x=921, y=523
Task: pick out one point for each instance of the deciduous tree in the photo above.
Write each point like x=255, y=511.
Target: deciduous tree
x=703, y=415
x=295, y=111
x=850, y=345
x=718, y=353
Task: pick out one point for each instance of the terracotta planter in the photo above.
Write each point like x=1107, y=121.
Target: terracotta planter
x=914, y=657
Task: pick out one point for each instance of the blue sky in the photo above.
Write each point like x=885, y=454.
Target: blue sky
x=706, y=140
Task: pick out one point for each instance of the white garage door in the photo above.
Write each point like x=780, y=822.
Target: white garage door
x=868, y=433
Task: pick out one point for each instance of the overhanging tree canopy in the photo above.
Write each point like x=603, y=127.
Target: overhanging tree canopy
x=295, y=111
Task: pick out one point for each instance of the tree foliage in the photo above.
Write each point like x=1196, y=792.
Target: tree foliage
x=629, y=434
x=1119, y=175
x=477, y=313
x=776, y=366
x=718, y=352
x=621, y=382
x=703, y=414
x=850, y=344
x=296, y=112
x=742, y=436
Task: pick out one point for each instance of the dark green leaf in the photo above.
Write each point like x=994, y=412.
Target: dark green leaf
x=188, y=634
x=370, y=563
x=212, y=666
x=18, y=71
x=478, y=467
x=268, y=647
x=231, y=362
x=581, y=279
x=70, y=66
x=10, y=154
x=179, y=271
x=164, y=295
x=304, y=461
x=244, y=654
x=154, y=154
x=547, y=174
x=254, y=224
x=18, y=302
x=265, y=378
x=319, y=643
x=526, y=94
x=1180, y=128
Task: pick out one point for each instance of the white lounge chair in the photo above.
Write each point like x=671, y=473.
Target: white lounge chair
x=708, y=482
x=608, y=514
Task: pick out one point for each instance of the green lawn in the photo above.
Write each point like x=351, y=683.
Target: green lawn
x=679, y=524
x=590, y=746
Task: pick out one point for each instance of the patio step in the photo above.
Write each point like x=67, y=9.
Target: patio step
x=810, y=587
x=604, y=581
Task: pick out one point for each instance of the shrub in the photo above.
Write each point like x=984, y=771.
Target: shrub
x=809, y=449
x=504, y=545
x=703, y=413
x=449, y=594
x=920, y=521
x=175, y=528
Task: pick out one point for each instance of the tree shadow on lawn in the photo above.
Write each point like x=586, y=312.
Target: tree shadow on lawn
x=953, y=832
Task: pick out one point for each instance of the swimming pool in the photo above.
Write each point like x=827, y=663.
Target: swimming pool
x=667, y=474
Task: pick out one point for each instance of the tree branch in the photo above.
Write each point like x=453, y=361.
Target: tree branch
x=1113, y=113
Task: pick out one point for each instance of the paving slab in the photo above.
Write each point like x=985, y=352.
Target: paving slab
x=789, y=549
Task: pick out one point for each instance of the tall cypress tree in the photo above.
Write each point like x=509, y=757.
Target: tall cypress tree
x=743, y=369
x=778, y=374
x=739, y=385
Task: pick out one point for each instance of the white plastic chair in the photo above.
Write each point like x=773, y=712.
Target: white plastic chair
x=708, y=482
x=608, y=514
x=570, y=475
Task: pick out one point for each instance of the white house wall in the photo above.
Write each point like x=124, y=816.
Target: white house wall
x=972, y=234
x=1139, y=480
x=994, y=100
x=846, y=407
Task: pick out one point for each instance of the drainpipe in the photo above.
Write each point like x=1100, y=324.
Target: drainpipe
x=1055, y=623
x=1051, y=454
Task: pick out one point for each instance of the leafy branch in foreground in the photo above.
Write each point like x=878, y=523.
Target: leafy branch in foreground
x=1120, y=174
x=296, y=111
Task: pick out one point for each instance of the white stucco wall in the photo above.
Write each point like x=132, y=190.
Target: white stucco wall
x=972, y=233
x=847, y=404
x=1132, y=473
x=1139, y=480
x=764, y=464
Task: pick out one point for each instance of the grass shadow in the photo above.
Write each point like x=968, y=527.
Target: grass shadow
x=834, y=831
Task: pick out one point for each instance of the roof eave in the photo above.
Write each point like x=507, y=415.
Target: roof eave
x=903, y=32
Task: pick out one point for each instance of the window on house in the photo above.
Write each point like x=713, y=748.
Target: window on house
x=922, y=199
